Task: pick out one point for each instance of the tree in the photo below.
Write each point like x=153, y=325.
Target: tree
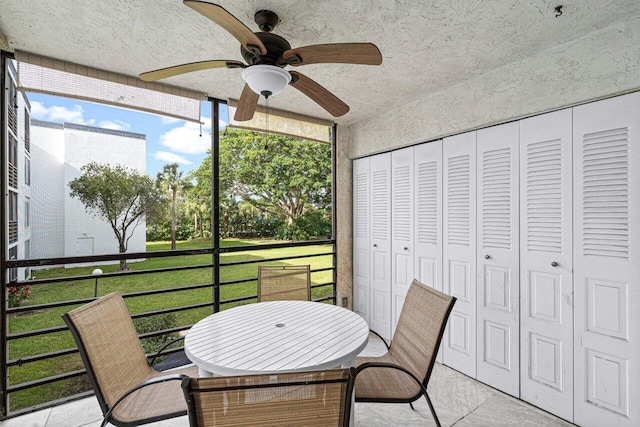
x=171, y=180
x=118, y=195
x=280, y=175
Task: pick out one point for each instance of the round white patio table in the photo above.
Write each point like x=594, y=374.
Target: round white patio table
x=276, y=336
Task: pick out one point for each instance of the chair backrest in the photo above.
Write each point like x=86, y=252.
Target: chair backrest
x=286, y=282
x=318, y=398
x=420, y=329
x=109, y=347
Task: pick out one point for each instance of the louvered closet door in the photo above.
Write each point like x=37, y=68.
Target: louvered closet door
x=459, y=257
x=361, y=239
x=427, y=253
x=546, y=280
x=380, y=220
x=428, y=214
x=498, y=257
x=402, y=184
x=606, y=144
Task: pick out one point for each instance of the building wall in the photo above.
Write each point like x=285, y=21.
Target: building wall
x=62, y=150
x=47, y=202
x=23, y=189
x=599, y=65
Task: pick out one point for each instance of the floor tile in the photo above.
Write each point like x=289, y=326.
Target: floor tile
x=502, y=410
x=82, y=412
x=35, y=419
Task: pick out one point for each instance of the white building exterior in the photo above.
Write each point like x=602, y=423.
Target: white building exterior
x=19, y=175
x=61, y=226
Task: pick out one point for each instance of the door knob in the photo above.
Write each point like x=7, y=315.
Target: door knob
x=554, y=264
x=487, y=257
x=375, y=245
x=406, y=248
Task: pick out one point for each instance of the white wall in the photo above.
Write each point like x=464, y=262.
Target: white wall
x=47, y=200
x=65, y=227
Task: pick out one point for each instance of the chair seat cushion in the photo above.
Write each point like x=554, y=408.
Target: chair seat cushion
x=155, y=400
x=384, y=384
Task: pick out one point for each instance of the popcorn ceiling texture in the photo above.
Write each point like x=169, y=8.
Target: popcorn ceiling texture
x=601, y=64
x=427, y=46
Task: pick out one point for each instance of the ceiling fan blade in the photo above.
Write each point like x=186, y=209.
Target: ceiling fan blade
x=319, y=94
x=237, y=29
x=246, y=105
x=163, y=73
x=343, y=53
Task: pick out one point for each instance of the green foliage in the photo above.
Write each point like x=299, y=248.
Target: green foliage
x=172, y=184
x=158, y=322
x=161, y=230
x=270, y=182
x=116, y=194
x=312, y=224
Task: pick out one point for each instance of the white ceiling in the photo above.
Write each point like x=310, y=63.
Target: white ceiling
x=426, y=45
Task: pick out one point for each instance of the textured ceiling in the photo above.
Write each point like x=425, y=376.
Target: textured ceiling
x=426, y=45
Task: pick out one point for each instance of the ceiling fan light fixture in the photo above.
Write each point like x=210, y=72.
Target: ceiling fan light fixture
x=266, y=80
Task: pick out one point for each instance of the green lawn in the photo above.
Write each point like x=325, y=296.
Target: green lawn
x=76, y=289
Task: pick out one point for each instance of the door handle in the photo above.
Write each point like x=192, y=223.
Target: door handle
x=375, y=245
x=406, y=248
x=554, y=264
x=487, y=257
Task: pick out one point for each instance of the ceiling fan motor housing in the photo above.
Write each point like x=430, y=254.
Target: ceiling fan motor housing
x=275, y=45
x=266, y=20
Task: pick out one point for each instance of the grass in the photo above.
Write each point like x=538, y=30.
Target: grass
x=77, y=289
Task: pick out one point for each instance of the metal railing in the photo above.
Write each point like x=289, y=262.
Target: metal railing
x=230, y=289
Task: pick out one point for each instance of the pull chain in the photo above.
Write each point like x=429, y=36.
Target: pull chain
x=266, y=142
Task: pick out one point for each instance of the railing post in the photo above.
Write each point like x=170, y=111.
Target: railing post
x=334, y=220
x=4, y=353
x=215, y=200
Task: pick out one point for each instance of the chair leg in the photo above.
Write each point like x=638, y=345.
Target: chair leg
x=411, y=404
x=433, y=411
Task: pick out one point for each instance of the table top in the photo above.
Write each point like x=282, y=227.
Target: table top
x=277, y=336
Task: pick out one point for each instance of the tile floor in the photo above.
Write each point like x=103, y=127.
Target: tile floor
x=459, y=401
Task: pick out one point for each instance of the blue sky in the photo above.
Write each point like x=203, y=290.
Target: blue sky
x=168, y=140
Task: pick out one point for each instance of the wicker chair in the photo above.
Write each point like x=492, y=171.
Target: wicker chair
x=129, y=391
x=319, y=398
x=402, y=374
x=290, y=282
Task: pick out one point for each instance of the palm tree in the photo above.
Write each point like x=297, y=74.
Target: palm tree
x=170, y=179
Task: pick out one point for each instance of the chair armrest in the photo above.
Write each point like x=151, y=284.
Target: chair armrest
x=157, y=380
x=379, y=336
x=167, y=344
x=391, y=366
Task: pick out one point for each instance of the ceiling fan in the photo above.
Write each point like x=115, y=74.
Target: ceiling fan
x=266, y=55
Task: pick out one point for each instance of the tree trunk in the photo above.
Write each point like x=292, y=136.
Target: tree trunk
x=173, y=219
x=123, y=262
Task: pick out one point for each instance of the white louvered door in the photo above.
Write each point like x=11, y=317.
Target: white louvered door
x=402, y=185
x=606, y=147
x=361, y=237
x=459, y=250
x=498, y=257
x=427, y=252
x=546, y=262
x=380, y=245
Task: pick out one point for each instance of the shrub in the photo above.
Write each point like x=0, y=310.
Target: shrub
x=155, y=323
x=17, y=294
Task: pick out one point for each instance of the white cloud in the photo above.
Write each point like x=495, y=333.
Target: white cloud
x=186, y=139
x=169, y=120
x=114, y=124
x=165, y=156
x=38, y=111
x=56, y=113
